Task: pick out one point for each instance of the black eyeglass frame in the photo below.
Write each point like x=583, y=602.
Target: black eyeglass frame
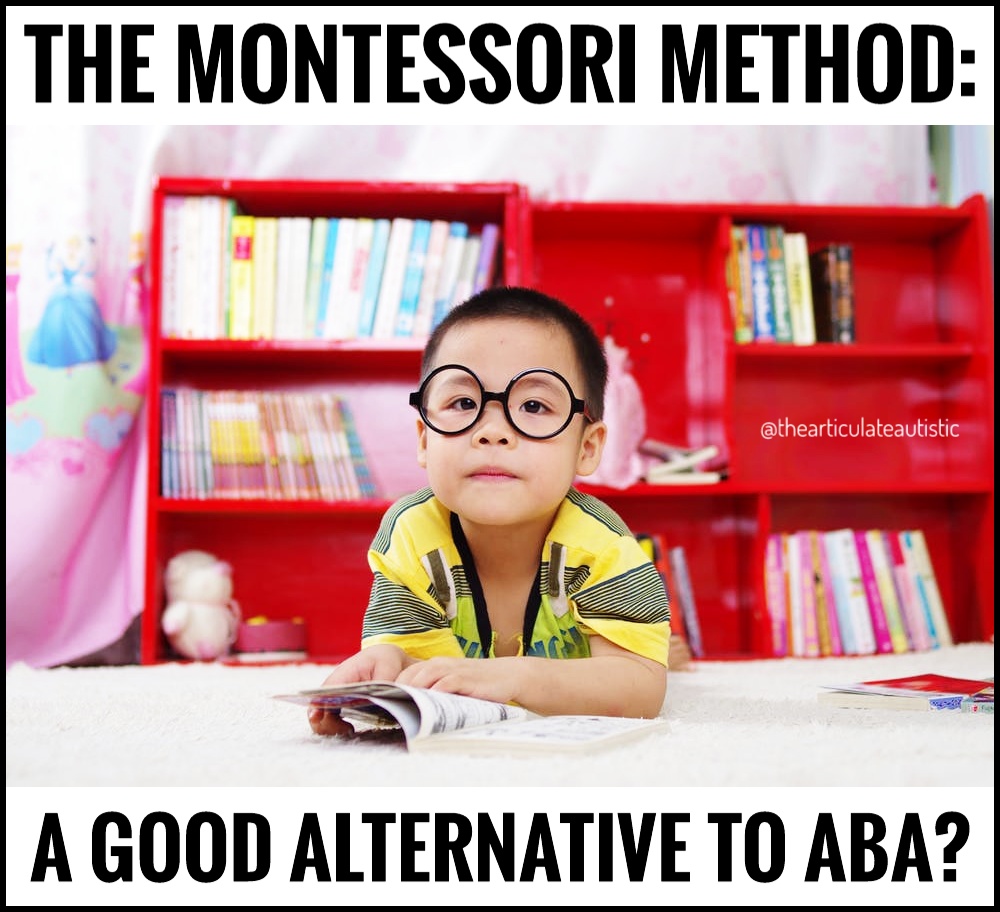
x=577, y=406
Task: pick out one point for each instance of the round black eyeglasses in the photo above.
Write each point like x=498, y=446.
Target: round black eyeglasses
x=538, y=403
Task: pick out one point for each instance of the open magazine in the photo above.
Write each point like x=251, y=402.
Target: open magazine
x=435, y=720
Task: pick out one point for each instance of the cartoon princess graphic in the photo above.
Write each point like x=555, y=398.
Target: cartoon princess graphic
x=137, y=301
x=18, y=387
x=72, y=330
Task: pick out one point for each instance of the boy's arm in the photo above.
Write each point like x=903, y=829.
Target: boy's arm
x=612, y=682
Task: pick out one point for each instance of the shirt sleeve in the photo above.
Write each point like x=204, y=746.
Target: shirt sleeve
x=402, y=612
x=624, y=600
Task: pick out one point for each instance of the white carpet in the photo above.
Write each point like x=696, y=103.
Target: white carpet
x=731, y=724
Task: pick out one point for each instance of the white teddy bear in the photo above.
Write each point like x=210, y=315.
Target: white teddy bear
x=201, y=618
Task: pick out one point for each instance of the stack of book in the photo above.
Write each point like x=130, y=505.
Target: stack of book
x=229, y=275
x=779, y=291
x=671, y=464
x=853, y=592
x=248, y=444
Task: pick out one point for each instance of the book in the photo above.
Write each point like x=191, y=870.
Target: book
x=852, y=602
x=212, y=248
x=674, y=458
x=489, y=251
x=265, y=270
x=393, y=275
x=434, y=720
x=775, y=591
x=440, y=231
x=760, y=284
x=915, y=543
x=170, y=278
x=241, y=266
x=800, y=301
x=450, y=265
x=685, y=477
x=741, y=308
x=409, y=295
x=832, y=274
x=917, y=692
x=315, y=265
x=684, y=595
x=373, y=278
x=880, y=625
x=349, y=311
x=774, y=236
x=331, y=250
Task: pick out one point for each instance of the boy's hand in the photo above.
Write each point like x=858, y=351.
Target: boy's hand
x=376, y=663
x=493, y=679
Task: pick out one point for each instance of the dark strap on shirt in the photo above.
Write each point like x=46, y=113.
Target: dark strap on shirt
x=483, y=625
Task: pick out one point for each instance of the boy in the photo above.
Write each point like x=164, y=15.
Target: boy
x=501, y=558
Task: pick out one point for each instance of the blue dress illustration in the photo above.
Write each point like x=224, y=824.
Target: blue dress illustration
x=72, y=330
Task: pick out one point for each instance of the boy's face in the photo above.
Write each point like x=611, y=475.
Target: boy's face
x=491, y=475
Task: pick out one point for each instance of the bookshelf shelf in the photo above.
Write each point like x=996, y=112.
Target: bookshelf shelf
x=930, y=352
x=653, y=277
x=368, y=507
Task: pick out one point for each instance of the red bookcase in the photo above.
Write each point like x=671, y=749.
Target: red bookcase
x=653, y=277
x=304, y=559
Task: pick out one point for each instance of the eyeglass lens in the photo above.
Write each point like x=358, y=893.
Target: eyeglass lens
x=539, y=404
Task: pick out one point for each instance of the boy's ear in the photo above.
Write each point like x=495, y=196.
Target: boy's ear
x=595, y=433
x=421, y=443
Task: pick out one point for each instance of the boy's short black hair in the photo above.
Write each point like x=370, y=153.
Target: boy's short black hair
x=527, y=303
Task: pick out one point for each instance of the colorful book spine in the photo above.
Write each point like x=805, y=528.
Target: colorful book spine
x=319, y=231
x=373, y=277
x=212, y=254
x=774, y=236
x=841, y=594
x=333, y=229
x=925, y=570
x=774, y=588
x=445, y=292
x=336, y=319
x=825, y=586
x=265, y=277
x=845, y=549
x=362, y=471
x=685, y=595
x=350, y=309
x=740, y=308
x=807, y=580
x=843, y=303
x=793, y=570
x=170, y=289
x=887, y=590
x=393, y=275
x=489, y=250
x=168, y=442
x=436, y=244
x=883, y=639
x=409, y=296
x=241, y=278
x=907, y=595
x=760, y=284
x=800, y=301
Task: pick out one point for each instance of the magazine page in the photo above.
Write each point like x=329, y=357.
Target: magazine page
x=545, y=733
x=445, y=712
